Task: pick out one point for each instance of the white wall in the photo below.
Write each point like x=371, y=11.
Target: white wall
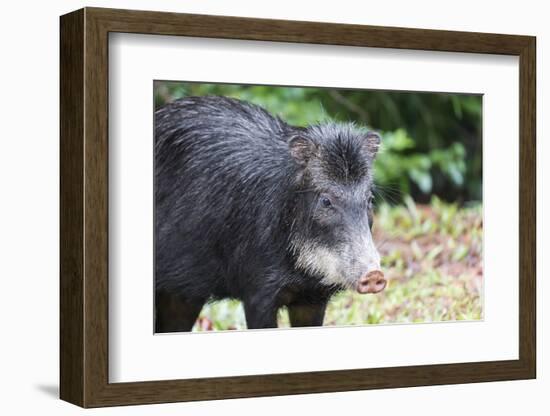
x=29, y=205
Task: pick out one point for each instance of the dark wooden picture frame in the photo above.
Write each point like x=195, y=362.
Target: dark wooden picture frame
x=84, y=207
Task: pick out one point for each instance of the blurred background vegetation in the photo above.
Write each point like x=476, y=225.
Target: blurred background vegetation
x=431, y=141
x=428, y=221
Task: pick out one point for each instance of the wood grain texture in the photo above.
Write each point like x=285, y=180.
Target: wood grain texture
x=71, y=210
x=84, y=207
x=96, y=146
x=527, y=208
x=226, y=27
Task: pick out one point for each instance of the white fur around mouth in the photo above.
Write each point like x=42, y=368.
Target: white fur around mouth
x=317, y=259
x=337, y=266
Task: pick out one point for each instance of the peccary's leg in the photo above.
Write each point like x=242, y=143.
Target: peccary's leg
x=306, y=314
x=260, y=314
x=175, y=314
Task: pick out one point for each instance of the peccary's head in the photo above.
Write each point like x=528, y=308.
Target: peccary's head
x=332, y=211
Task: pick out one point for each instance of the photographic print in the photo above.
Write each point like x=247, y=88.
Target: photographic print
x=282, y=206
x=329, y=185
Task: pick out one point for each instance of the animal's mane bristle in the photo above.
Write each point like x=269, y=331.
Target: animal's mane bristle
x=343, y=150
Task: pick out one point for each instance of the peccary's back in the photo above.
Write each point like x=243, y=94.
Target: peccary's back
x=222, y=174
x=224, y=142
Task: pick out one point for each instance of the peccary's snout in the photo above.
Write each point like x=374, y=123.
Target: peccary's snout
x=372, y=282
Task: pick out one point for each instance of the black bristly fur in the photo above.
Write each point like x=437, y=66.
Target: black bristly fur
x=229, y=200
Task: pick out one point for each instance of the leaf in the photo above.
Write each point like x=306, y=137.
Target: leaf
x=455, y=175
x=417, y=252
x=460, y=252
x=411, y=206
x=422, y=179
x=434, y=252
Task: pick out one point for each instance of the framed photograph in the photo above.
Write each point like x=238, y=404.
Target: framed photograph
x=257, y=207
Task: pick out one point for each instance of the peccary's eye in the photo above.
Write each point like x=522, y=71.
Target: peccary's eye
x=325, y=202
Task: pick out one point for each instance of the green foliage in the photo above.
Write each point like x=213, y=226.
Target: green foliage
x=431, y=142
x=400, y=163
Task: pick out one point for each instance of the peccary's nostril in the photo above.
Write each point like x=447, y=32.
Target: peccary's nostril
x=372, y=282
x=380, y=285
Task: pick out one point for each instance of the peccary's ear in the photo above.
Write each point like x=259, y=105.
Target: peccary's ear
x=301, y=149
x=372, y=142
